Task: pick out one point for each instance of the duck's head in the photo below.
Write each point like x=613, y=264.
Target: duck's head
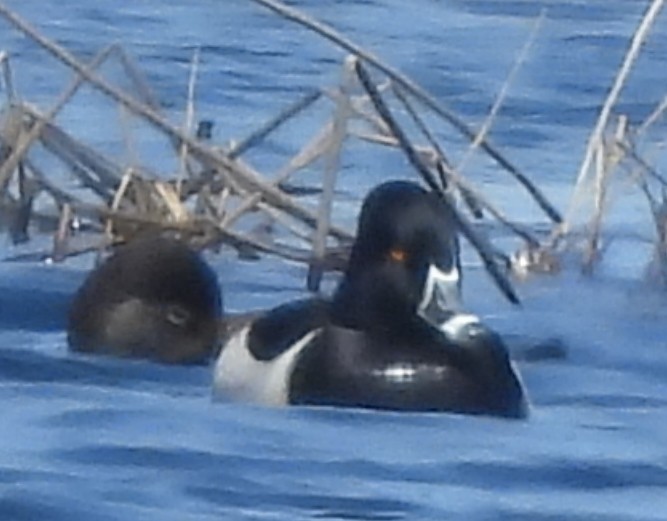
x=406, y=255
x=154, y=298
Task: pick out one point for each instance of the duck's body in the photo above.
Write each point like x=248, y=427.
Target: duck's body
x=463, y=367
x=153, y=298
x=423, y=372
x=373, y=345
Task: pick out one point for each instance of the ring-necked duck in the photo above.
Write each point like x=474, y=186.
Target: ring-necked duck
x=391, y=337
x=154, y=298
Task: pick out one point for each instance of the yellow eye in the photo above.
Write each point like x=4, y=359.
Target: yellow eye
x=397, y=254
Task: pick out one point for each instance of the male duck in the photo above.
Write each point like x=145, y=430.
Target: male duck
x=391, y=337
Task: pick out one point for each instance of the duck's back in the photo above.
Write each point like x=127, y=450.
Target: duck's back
x=355, y=368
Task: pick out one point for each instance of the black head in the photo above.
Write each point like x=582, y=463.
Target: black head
x=154, y=298
x=405, y=257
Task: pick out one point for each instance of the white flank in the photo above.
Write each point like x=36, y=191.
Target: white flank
x=239, y=376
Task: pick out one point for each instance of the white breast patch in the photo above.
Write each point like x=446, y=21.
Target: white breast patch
x=239, y=376
x=453, y=326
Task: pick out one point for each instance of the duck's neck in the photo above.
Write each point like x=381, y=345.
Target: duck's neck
x=368, y=302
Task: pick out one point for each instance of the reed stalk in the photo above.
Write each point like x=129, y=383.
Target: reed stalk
x=595, y=140
x=189, y=119
x=342, y=114
x=424, y=97
x=480, y=244
x=500, y=98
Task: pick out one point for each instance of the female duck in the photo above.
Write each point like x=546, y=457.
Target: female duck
x=154, y=298
x=374, y=345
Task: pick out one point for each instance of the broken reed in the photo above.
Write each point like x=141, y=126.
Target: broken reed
x=612, y=148
x=215, y=188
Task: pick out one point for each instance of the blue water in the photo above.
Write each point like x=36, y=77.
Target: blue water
x=86, y=438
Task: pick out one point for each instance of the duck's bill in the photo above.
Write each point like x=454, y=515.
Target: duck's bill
x=442, y=294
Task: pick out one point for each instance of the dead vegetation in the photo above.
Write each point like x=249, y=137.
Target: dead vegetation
x=215, y=190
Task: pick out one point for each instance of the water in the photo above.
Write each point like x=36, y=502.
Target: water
x=96, y=438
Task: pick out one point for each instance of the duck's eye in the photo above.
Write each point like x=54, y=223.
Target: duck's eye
x=397, y=255
x=177, y=316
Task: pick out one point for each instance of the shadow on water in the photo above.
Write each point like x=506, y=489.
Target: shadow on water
x=26, y=505
x=230, y=482
x=35, y=367
x=33, y=309
x=36, y=297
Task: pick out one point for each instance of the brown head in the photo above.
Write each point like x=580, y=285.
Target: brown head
x=154, y=298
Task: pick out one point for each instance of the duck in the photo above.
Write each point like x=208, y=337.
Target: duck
x=153, y=298
x=392, y=336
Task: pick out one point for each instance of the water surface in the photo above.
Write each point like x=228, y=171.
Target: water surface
x=96, y=438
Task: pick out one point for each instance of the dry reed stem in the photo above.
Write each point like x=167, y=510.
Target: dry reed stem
x=189, y=119
x=247, y=204
x=359, y=106
x=596, y=137
x=234, y=172
x=122, y=189
x=653, y=117
x=308, y=154
x=222, y=202
x=7, y=77
x=485, y=251
x=204, y=204
x=117, y=199
x=144, y=91
x=632, y=154
x=442, y=164
x=201, y=227
x=80, y=158
x=417, y=91
x=342, y=113
x=591, y=252
x=281, y=218
x=275, y=198
x=129, y=142
x=172, y=201
x=59, y=195
x=62, y=234
x=421, y=125
x=608, y=157
x=19, y=151
x=10, y=132
x=658, y=264
x=500, y=98
x=432, y=156
x=259, y=135
x=21, y=220
x=90, y=183
x=138, y=78
x=102, y=190
x=313, y=150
